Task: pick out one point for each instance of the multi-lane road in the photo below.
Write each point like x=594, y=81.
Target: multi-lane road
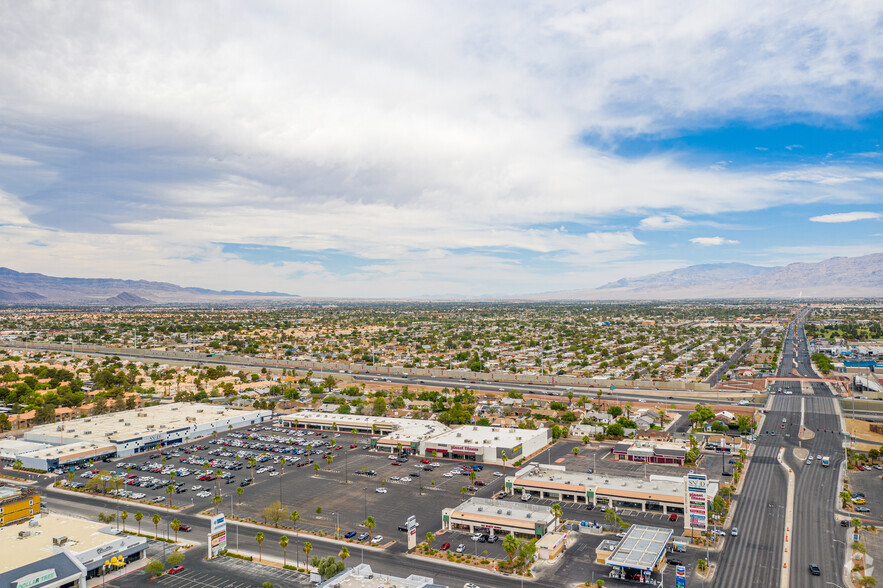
x=755, y=557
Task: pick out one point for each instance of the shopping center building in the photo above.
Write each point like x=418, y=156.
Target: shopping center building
x=128, y=432
x=644, y=451
x=665, y=494
x=58, y=551
x=429, y=438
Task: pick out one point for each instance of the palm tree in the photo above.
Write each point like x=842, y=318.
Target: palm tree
x=170, y=490
x=138, y=516
x=344, y=553
x=295, y=517
x=260, y=539
x=218, y=476
x=282, y=465
x=844, y=497
x=283, y=543
x=70, y=476
x=504, y=458
x=308, y=547
x=316, y=468
x=430, y=536
x=239, y=492
x=463, y=492
x=156, y=519
x=217, y=499
x=510, y=546
x=328, y=460
x=252, y=462
x=370, y=523
x=557, y=513
x=175, y=525
x=124, y=515
x=354, y=435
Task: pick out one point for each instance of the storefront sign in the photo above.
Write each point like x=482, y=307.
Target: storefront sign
x=219, y=523
x=35, y=579
x=463, y=449
x=696, y=502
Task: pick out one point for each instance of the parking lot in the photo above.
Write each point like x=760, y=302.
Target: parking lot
x=223, y=572
x=870, y=484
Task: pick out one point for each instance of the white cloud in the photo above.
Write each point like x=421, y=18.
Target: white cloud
x=663, y=222
x=846, y=217
x=711, y=241
x=395, y=131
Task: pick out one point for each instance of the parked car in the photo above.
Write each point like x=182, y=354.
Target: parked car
x=176, y=569
x=381, y=490
x=377, y=539
x=350, y=535
x=362, y=536
x=445, y=546
x=672, y=517
x=460, y=548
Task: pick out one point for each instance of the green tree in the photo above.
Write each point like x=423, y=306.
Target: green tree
x=239, y=492
x=557, y=512
x=430, y=537
x=344, y=553
x=217, y=499
x=156, y=519
x=252, y=462
x=327, y=567
x=123, y=516
x=155, y=568
x=175, y=558
x=527, y=550
x=138, y=516
x=175, y=526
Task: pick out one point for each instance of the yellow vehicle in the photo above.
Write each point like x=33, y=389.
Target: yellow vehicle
x=858, y=500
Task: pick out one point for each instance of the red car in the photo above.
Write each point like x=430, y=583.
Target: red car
x=396, y=463
x=425, y=461
x=672, y=517
x=445, y=546
x=353, y=446
x=480, y=483
x=185, y=528
x=176, y=569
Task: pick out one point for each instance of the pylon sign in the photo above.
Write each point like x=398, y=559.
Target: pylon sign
x=680, y=576
x=411, y=525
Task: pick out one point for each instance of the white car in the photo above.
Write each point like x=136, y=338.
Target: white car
x=376, y=539
x=195, y=488
x=406, y=479
x=460, y=548
x=435, y=464
x=394, y=478
x=381, y=490
x=476, y=537
x=274, y=474
x=448, y=475
x=498, y=474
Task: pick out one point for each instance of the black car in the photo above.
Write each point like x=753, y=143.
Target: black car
x=414, y=475
x=483, y=539
x=245, y=482
x=844, y=523
x=674, y=562
x=590, y=507
x=814, y=570
x=180, y=490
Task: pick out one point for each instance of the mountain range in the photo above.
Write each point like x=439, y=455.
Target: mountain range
x=838, y=277
x=24, y=288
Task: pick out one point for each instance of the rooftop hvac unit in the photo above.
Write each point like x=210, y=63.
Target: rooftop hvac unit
x=528, y=515
x=120, y=420
x=174, y=408
x=199, y=410
x=87, y=432
x=499, y=511
x=480, y=508
x=508, y=512
x=88, y=420
x=59, y=540
x=128, y=424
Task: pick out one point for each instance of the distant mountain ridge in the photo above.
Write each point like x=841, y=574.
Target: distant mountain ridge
x=32, y=288
x=838, y=277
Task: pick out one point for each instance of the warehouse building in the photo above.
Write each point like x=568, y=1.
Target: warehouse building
x=129, y=432
x=498, y=517
x=57, y=551
x=665, y=494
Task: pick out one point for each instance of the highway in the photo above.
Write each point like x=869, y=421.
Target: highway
x=755, y=557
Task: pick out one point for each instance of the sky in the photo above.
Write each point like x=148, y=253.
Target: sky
x=410, y=149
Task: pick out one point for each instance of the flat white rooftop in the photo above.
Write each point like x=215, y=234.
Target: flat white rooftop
x=520, y=511
x=82, y=535
x=493, y=436
x=130, y=424
x=70, y=451
x=402, y=430
x=9, y=448
x=362, y=576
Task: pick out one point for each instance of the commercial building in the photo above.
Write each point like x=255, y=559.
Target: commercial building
x=499, y=517
x=487, y=444
x=429, y=438
x=362, y=576
x=665, y=494
x=665, y=452
x=18, y=504
x=129, y=432
x=551, y=545
x=409, y=434
x=57, y=551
